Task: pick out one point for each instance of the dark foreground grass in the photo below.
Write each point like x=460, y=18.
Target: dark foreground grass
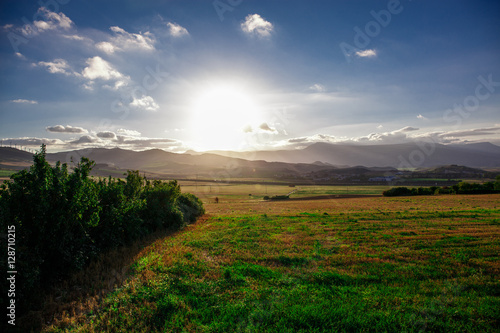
x=367, y=272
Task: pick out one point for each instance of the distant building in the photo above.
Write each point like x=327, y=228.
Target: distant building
x=382, y=179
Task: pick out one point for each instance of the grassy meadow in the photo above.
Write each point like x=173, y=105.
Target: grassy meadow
x=246, y=193
x=403, y=264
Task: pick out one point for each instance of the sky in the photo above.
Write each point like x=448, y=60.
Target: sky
x=247, y=75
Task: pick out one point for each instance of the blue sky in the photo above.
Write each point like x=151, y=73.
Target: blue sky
x=246, y=75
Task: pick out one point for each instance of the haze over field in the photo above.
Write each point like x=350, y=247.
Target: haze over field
x=249, y=75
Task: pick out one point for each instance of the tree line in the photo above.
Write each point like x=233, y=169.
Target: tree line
x=64, y=219
x=460, y=188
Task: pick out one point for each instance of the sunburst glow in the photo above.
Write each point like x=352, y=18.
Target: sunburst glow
x=223, y=115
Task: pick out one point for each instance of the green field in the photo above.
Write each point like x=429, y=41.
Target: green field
x=349, y=265
x=258, y=191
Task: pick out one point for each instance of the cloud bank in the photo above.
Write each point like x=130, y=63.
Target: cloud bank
x=65, y=129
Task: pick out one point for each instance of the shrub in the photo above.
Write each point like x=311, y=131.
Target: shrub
x=444, y=190
x=397, y=191
x=280, y=197
x=161, y=205
x=63, y=219
x=460, y=188
x=190, y=206
x=52, y=211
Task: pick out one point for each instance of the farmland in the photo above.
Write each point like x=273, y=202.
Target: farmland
x=358, y=264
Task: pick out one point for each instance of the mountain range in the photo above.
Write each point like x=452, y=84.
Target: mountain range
x=406, y=155
x=316, y=157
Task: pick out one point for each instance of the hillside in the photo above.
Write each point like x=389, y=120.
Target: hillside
x=320, y=159
x=14, y=159
x=206, y=165
x=396, y=155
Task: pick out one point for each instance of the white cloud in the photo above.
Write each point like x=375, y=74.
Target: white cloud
x=75, y=37
x=125, y=41
x=58, y=66
x=403, y=135
x=366, y=53
x=256, y=25
x=106, y=47
x=52, y=21
x=65, y=129
x=27, y=141
x=128, y=132
x=380, y=126
x=177, y=30
x=265, y=127
x=99, y=68
x=118, y=84
x=20, y=55
x=85, y=139
x=393, y=137
x=146, y=103
x=88, y=86
x=317, y=88
x=24, y=101
x=422, y=117
x=471, y=132
x=101, y=139
x=146, y=143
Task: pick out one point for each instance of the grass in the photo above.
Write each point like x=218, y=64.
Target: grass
x=306, y=191
x=233, y=192
x=366, y=264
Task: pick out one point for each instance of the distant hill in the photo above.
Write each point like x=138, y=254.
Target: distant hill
x=14, y=159
x=451, y=169
x=186, y=165
x=397, y=155
x=317, y=158
x=13, y=154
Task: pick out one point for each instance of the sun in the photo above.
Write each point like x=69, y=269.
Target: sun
x=222, y=117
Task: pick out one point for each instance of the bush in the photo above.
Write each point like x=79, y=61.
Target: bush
x=280, y=197
x=52, y=212
x=397, y=191
x=460, y=188
x=161, y=205
x=444, y=190
x=63, y=219
x=468, y=188
x=190, y=206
